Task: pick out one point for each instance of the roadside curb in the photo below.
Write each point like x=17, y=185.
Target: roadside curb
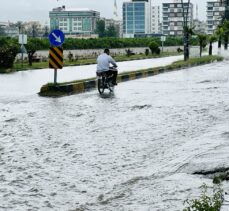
x=75, y=87
x=87, y=85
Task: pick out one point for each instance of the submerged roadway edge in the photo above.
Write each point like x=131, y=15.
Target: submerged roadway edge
x=75, y=87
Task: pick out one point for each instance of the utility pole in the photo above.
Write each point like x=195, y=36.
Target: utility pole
x=186, y=28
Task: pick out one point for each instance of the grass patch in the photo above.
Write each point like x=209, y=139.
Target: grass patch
x=201, y=60
x=42, y=65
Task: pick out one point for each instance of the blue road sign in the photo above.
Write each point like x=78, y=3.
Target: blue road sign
x=56, y=37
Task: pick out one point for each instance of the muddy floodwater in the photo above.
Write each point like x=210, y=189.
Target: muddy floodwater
x=134, y=150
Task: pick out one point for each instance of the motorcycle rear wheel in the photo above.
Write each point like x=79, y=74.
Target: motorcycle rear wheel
x=101, y=85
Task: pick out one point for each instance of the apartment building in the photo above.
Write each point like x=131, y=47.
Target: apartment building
x=215, y=12
x=155, y=20
x=136, y=17
x=172, y=17
x=74, y=21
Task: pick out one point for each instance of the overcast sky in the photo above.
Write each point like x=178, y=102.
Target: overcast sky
x=38, y=10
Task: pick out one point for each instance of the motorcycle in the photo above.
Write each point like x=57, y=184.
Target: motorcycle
x=105, y=82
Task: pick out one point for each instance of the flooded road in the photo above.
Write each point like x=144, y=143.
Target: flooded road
x=135, y=150
x=29, y=82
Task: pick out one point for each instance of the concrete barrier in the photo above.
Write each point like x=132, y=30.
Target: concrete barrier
x=74, y=87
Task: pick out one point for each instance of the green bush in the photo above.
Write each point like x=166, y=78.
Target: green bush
x=8, y=51
x=205, y=202
x=154, y=47
x=105, y=42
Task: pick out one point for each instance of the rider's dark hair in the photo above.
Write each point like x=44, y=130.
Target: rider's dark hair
x=107, y=51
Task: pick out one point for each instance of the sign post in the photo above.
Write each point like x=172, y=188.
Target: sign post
x=163, y=39
x=22, y=39
x=55, y=60
x=55, y=76
x=56, y=38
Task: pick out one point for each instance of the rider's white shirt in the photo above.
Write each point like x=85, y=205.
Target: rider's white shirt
x=103, y=62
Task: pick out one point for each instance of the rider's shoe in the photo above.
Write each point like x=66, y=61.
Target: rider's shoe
x=114, y=83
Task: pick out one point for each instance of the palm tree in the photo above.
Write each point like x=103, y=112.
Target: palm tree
x=46, y=31
x=20, y=26
x=226, y=4
x=212, y=39
x=219, y=33
x=34, y=30
x=226, y=33
x=202, y=41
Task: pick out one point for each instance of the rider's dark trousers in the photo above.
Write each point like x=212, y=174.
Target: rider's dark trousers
x=115, y=73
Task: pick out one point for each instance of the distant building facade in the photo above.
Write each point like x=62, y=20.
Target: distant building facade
x=155, y=20
x=74, y=21
x=136, y=17
x=9, y=29
x=215, y=12
x=200, y=27
x=172, y=17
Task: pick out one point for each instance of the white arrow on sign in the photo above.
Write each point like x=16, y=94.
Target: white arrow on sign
x=58, y=39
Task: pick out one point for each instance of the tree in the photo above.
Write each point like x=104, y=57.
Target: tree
x=226, y=4
x=46, y=31
x=111, y=31
x=8, y=51
x=212, y=39
x=202, y=42
x=33, y=45
x=219, y=33
x=31, y=49
x=154, y=47
x=226, y=33
x=32, y=31
x=188, y=32
x=225, y=22
x=20, y=26
x=100, y=28
x=2, y=31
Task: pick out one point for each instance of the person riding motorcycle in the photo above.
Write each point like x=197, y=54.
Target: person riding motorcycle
x=103, y=65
